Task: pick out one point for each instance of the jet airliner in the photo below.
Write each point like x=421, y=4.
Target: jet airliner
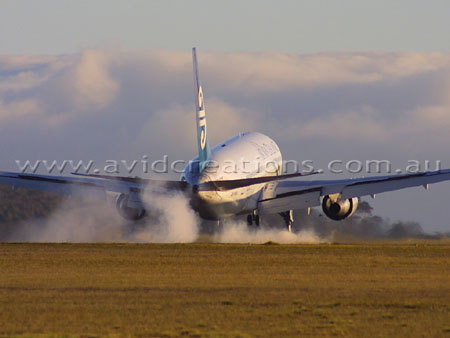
x=215, y=192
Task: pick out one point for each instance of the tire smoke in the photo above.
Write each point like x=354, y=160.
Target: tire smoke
x=239, y=232
x=171, y=220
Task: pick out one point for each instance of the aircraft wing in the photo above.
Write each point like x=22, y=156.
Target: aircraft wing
x=87, y=186
x=290, y=195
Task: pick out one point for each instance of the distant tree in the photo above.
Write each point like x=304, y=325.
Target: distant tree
x=17, y=206
x=364, y=208
x=406, y=230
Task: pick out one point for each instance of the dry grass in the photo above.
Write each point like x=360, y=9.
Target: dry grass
x=195, y=290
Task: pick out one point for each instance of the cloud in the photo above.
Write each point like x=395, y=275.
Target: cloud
x=341, y=125
x=18, y=110
x=20, y=73
x=94, y=86
x=274, y=71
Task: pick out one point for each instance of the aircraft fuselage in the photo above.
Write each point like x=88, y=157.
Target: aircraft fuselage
x=247, y=155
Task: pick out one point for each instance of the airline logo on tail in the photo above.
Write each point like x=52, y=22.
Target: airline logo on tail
x=201, y=119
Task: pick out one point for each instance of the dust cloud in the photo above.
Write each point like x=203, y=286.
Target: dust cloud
x=240, y=232
x=172, y=220
x=74, y=221
x=94, y=220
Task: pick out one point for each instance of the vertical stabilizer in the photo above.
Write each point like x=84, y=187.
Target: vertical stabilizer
x=204, y=151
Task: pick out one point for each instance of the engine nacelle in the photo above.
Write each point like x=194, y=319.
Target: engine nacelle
x=337, y=209
x=130, y=208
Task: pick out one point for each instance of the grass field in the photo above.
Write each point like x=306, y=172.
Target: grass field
x=217, y=290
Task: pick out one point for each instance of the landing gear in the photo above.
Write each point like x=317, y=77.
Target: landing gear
x=249, y=220
x=219, y=225
x=253, y=217
x=288, y=217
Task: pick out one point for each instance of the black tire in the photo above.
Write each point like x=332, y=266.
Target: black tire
x=257, y=220
x=249, y=220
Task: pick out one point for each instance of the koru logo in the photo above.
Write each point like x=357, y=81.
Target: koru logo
x=203, y=137
x=201, y=119
x=200, y=98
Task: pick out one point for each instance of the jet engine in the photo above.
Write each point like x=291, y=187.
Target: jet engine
x=130, y=207
x=337, y=209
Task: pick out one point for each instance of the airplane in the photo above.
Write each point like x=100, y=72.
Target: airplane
x=216, y=193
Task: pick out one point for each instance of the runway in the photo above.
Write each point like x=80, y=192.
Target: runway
x=381, y=289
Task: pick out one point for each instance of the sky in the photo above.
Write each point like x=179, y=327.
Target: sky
x=350, y=80
x=62, y=26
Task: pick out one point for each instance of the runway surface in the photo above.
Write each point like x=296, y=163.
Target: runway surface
x=370, y=289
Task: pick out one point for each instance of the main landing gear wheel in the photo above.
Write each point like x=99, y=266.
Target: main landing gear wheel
x=249, y=220
x=288, y=217
x=254, y=217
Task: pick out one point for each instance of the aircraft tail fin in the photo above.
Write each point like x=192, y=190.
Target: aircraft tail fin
x=204, y=151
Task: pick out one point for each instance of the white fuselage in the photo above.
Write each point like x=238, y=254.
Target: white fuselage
x=247, y=155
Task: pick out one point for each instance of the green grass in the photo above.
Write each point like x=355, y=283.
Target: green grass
x=196, y=290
